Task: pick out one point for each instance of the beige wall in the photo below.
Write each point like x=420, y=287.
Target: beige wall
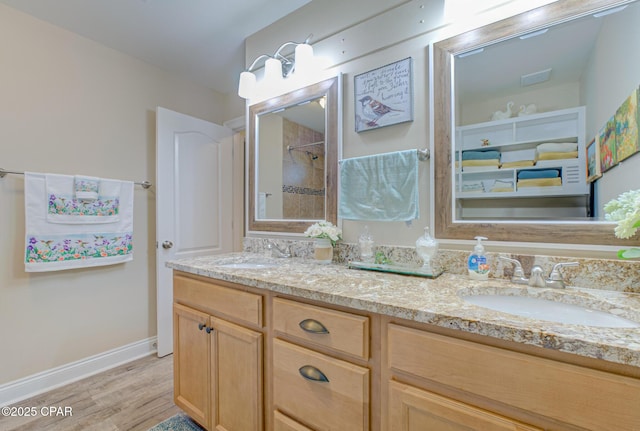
x=380, y=37
x=612, y=73
x=69, y=105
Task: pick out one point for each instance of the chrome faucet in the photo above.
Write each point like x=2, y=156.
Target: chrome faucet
x=555, y=278
x=277, y=251
x=536, y=279
x=518, y=274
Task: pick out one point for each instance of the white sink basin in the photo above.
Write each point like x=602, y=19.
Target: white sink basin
x=542, y=309
x=248, y=265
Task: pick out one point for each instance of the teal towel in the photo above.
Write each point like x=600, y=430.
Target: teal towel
x=481, y=155
x=383, y=187
x=540, y=173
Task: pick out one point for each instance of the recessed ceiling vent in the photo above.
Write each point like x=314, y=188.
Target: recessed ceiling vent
x=535, y=78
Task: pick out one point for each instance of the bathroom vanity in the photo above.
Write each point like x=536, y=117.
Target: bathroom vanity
x=288, y=344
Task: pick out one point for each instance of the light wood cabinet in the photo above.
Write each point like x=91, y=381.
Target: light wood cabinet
x=191, y=362
x=327, y=393
x=284, y=423
x=336, y=330
x=218, y=364
x=516, y=384
x=247, y=359
x=412, y=409
x=315, y=379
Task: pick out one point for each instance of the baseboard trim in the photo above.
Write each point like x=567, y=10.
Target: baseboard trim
x=35, y=384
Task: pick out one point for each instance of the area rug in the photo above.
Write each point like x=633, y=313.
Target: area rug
x=179, y=422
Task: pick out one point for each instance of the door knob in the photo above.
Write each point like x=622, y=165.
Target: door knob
x=167, y=244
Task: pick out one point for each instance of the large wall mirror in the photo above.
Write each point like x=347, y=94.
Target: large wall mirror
x=293, y=159
x=522, y=175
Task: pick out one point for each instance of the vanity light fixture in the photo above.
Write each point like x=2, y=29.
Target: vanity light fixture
x=278, y=66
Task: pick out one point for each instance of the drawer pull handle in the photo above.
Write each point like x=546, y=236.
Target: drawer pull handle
x=310, y=372
x=313, y=326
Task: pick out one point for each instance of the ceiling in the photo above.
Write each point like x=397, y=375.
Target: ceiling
x=200, y=40
x=496, y=71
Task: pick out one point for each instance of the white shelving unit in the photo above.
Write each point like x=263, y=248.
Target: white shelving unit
x=526, y=133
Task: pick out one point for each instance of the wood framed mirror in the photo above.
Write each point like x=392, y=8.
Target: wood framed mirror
x=293, y=159
x=448, y=223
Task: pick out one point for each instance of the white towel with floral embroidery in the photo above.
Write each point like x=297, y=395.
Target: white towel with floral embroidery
x=57, y=246
x=64, y=205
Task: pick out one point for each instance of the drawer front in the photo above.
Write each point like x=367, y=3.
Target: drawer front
x=284, y=423
x=567, y=393
x=219, y=300
x=340, y=402
x=413, y=409
x=340, y=331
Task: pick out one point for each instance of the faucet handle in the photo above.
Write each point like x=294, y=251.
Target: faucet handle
x=518, y=272
x=555, y=271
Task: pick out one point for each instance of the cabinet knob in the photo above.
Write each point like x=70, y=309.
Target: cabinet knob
x=209, y=329
x=313, y=326
x=310, y=372
x=201, y=326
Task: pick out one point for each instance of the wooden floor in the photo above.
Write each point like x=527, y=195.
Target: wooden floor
x=133, y=396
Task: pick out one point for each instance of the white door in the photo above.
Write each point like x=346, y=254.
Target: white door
x=193, y=201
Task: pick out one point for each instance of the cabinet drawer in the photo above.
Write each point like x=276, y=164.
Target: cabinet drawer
x=344, y=332
x=567, y=393
x=341, y=402
x=284, y=423
x=414, y=409
x=219, y=300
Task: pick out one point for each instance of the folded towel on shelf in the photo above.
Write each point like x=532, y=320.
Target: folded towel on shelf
x=540, y=182
x=480, y=155
x=490, y=162
x=382, y=187
x=557, y=147
x=63, y=205
x=86, y=188
x=468, y=169
x=538, y=173
x=502, y=186
x=58, y=246
x=519, y=164
x=557, y=155
x=472, y=186
x=518, y=155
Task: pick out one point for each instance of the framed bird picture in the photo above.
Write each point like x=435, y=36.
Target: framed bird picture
x=384, y=96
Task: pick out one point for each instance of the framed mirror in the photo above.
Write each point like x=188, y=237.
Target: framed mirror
x=293, y=159
x=470, y=69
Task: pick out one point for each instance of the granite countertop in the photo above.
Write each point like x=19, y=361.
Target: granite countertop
x=437, y=301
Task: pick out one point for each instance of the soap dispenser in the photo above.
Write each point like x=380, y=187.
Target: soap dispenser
x=366, y=245
x=426, y=247
x=477, y=262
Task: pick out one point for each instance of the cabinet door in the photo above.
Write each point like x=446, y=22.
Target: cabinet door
x=412, y=409
x=284, y=423
x=191, y=362
x=236, y=378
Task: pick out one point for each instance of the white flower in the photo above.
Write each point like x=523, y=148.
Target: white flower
x=625, y=210
x=324, y=229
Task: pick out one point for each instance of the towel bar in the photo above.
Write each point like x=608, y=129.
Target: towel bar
x=423, y=154
x=145, y=184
